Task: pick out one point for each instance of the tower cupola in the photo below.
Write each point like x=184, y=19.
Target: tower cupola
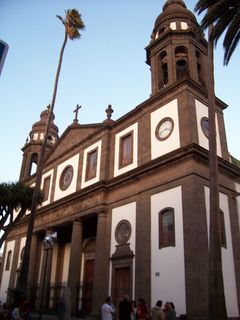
x=32, y=148
x=177, y=48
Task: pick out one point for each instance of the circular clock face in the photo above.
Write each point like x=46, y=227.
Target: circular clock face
x=164, y=128
x=205, y=126
x=123, y=232
x=66, y=178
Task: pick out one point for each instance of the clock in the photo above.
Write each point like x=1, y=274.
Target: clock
x=164, y=128
x=205, y=126
x=66, y=178
x=123, y=232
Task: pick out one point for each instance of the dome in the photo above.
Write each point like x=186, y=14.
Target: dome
x=39, y=127
x=174, y=11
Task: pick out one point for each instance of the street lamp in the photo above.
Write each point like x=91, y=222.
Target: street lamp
x=48, y=243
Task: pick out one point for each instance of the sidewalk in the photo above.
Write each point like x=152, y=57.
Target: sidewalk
x=35, y=316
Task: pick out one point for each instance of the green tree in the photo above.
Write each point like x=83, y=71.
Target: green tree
x=224, y=15
x=73, y=24
x=15, y=199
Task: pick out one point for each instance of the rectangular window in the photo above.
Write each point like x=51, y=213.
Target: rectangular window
x=46, y=187
x=126, y=150
x=166, y=228
x=91, y=164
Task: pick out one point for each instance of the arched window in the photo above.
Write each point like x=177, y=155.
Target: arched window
x=162, y=70
x=9, y=259
x=181, y=58
x=166, y=228
x=33, y=164
x=222, y=230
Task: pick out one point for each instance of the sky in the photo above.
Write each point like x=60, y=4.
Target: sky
x=106, y=66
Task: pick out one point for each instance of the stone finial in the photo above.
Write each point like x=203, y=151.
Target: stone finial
x=109, y=112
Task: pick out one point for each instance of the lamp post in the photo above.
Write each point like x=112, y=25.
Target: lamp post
x=48, y=243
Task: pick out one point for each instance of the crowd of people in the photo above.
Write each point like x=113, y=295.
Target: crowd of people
x=20, y=311
x=130, y=310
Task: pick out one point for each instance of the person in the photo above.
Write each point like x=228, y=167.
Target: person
x=134, y=310
x=125, y=309
x=107, y=309
x=16, y=313
x=64, y=306
x=157, y=313
x=25, y=311
x=170, y=311
x=142, y=312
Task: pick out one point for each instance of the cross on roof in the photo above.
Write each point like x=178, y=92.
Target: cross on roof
x=76, y=113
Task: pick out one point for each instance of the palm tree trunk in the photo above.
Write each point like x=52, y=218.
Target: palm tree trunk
x=26, y=259
x=217, y=307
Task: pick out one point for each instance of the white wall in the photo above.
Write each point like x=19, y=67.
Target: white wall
x=229, y=278
x=167, y=264
x=117, y=169
x=202, y=111
x=126, y=212
x=159, y=148
x=98, y=146
x=45, y=175
x=6, y=273
x=73, y=161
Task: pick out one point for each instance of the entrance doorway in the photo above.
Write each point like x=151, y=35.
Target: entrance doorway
x=122, y=284
x=87, y=286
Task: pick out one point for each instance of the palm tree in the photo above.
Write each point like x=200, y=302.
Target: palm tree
x=216, y=297
x=72, y=24
x=224, y=15
x=15, y=197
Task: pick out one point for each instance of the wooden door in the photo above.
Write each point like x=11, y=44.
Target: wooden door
x=122, y=285
x=87, y=287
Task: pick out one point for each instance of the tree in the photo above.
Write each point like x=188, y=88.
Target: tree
x=72, y=24
x=224, y=15
x=15, y=199
x=216, y=297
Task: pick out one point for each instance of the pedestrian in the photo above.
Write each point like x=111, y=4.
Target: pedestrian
x=107, y=309
x=16, y=312
x=142, y=313
x=125, y=309
x=157, y=312
x=170, y=311
x=64, y=306
x=134, y=310
x=25, y=311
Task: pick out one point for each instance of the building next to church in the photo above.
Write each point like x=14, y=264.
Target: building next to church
x=129, y=199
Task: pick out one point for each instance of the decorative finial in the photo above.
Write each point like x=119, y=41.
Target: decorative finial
x=109, y=112
x=76, y=113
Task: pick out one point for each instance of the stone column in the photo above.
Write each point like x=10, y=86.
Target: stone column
x=75, y=264
x=33, y=268
x=101, y=264
x=44, y=287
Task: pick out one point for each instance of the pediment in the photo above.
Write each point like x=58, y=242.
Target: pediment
x=71, y=138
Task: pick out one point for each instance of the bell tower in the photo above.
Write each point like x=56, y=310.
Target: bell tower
x=178, y=58
x=177, y=49
x=32, y=147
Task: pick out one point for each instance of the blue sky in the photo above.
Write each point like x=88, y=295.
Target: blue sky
x=106, y=66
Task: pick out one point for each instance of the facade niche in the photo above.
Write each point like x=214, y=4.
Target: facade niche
x=181, y=58
x=163, y=70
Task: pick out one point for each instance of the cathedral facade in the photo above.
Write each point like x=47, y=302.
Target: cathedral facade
x=128, y=200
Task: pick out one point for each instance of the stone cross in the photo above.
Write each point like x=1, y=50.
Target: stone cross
x=76, y=113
